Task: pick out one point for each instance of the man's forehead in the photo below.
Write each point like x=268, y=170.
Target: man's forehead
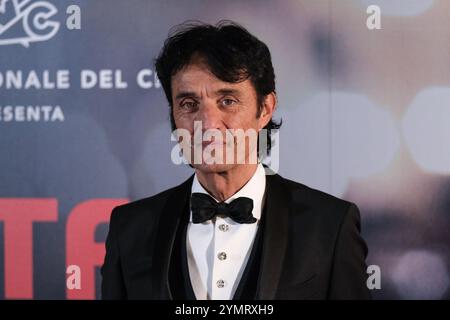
x=193, y=73
x=197, y=79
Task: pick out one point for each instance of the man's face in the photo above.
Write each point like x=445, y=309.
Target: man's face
x=198, y=95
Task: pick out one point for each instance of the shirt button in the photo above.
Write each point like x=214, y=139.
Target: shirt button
x=223, y=227
x=222, y=256
x=220, y=283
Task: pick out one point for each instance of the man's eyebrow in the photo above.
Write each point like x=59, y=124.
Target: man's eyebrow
x=227, y=91
x=186, y=94
x=191, y=94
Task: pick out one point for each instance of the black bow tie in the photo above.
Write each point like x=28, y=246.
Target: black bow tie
x=205, y=208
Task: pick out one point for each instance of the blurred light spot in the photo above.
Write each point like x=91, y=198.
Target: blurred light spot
x=325, y=147
x=305, y=142
x=400, y=7
x=364, y=139
x=426, y=127
x=420, y=274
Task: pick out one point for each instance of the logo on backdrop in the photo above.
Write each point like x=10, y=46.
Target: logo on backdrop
x=32, y=20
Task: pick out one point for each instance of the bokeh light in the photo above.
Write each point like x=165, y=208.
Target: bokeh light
x=363, y=139
x=420, y=274
x=426, y=128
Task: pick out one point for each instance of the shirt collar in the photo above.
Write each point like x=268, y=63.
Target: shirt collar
x=253, y=189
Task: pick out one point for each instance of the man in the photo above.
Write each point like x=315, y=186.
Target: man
x=230, y=231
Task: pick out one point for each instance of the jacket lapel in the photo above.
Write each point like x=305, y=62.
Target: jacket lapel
x=275, y=237
x=167, y=228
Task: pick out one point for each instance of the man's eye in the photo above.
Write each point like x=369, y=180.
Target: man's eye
x=188, y=105
x=228, y=102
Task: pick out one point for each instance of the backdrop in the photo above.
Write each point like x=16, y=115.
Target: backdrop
x=364, y=94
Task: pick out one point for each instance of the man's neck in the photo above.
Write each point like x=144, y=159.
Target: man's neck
x=224, y=184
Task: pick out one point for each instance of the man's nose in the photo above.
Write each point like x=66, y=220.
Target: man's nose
x=210, y=116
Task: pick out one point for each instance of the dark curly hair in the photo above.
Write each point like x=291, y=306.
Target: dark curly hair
x=231, y=52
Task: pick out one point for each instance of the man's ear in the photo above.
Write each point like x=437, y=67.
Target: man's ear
x=269, y=106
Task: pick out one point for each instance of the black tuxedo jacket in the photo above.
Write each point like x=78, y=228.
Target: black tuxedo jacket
x=311, y=246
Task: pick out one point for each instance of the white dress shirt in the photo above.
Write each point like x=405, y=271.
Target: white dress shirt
x=218, y=249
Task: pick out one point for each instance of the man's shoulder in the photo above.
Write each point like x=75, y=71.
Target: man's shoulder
x=316, y=208
x=306, y=196
x=151, y=204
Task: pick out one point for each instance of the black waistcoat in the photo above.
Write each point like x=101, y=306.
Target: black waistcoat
x=179, y=279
